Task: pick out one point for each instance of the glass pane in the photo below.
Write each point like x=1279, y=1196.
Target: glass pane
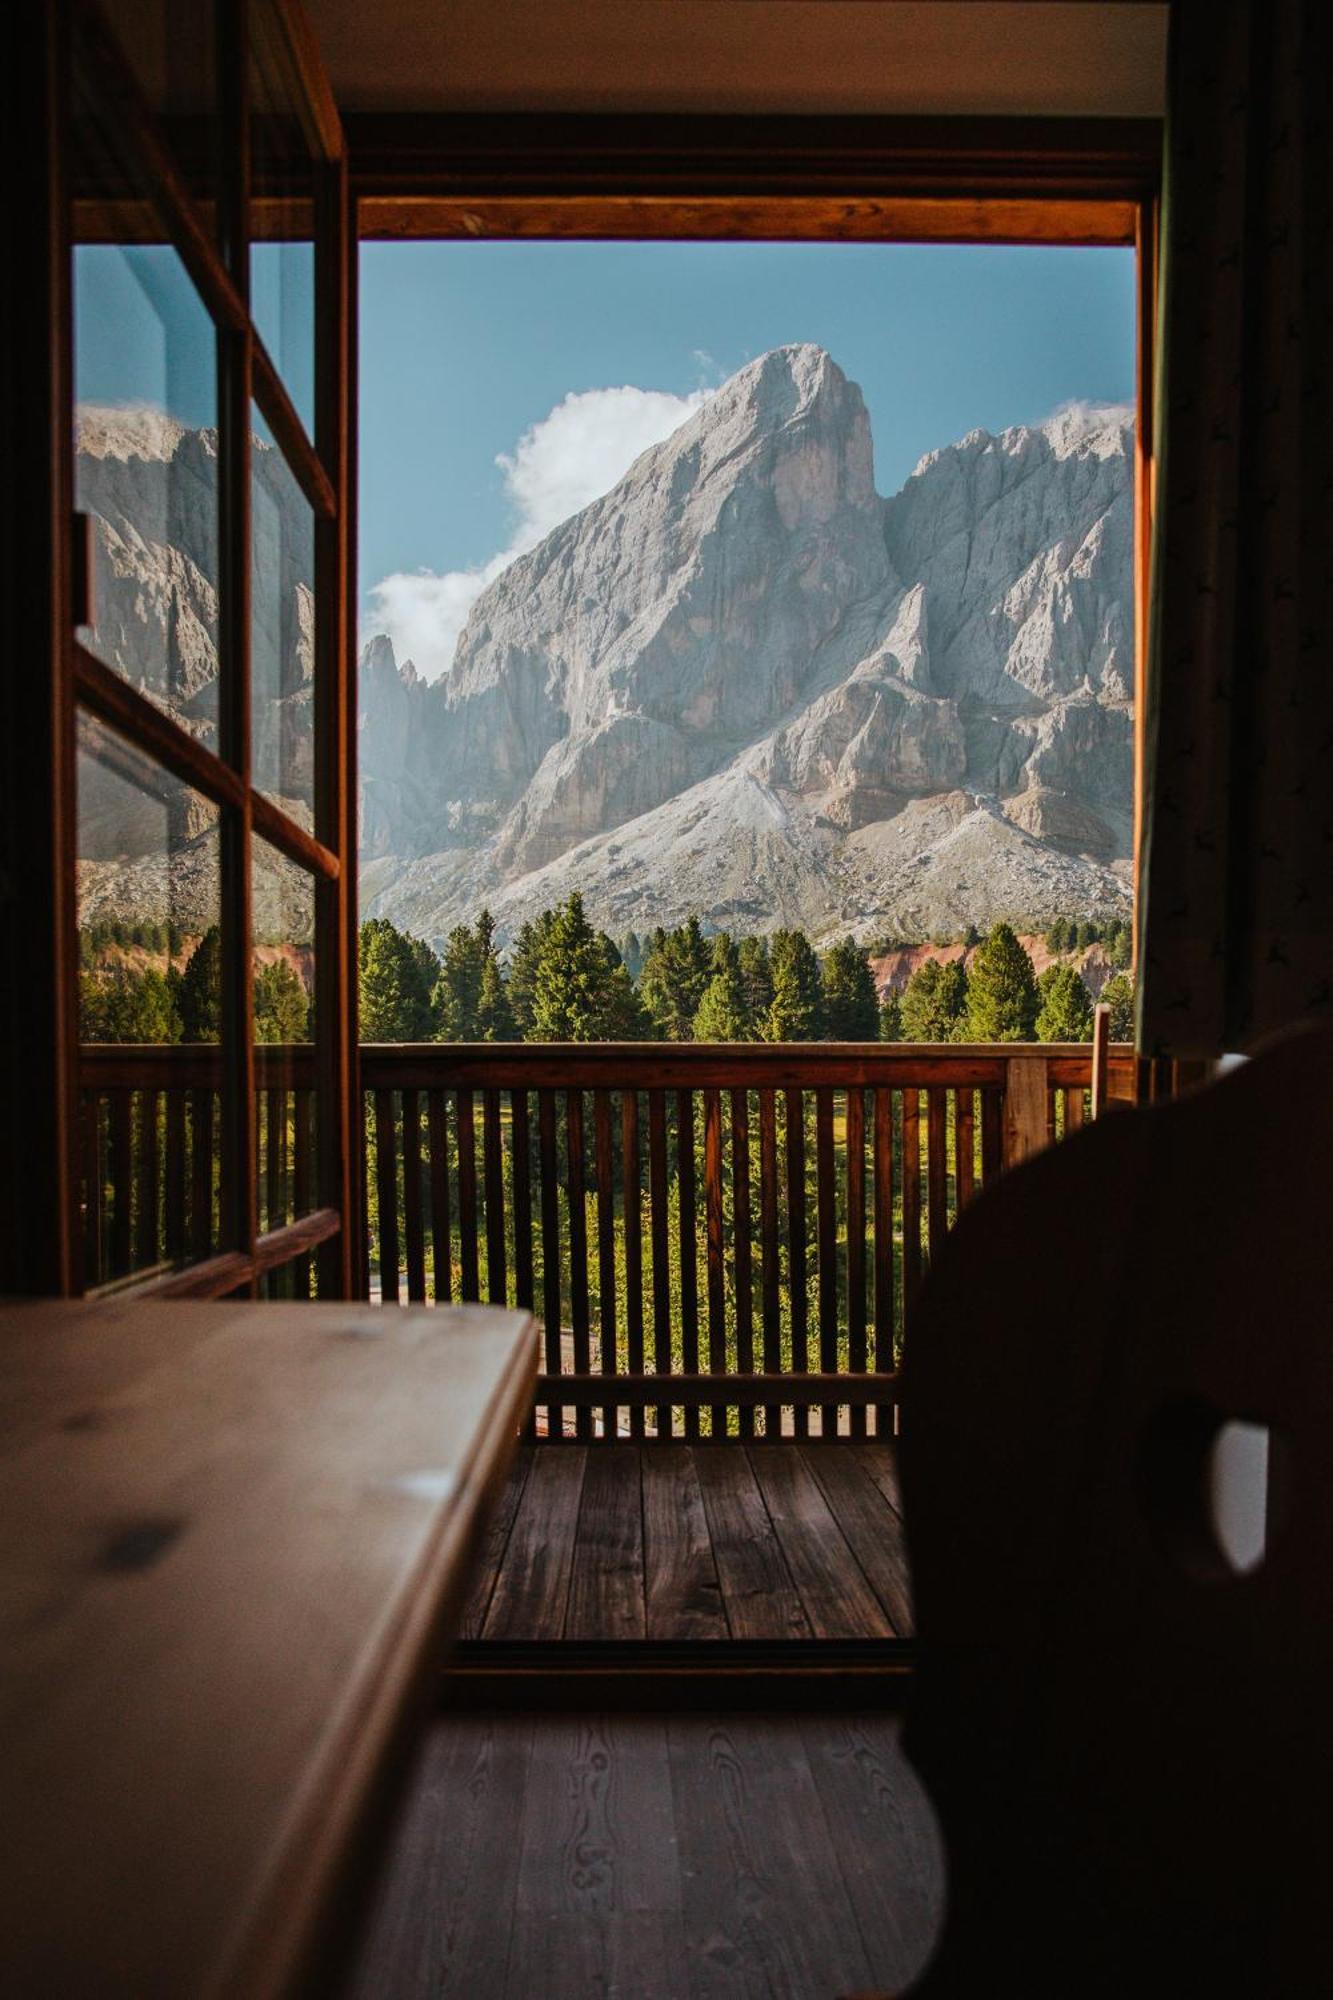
x=146, y=446
x=282, y=631
x=282, y=222
x=171, y=51
x=283, y=897
x=150, y=960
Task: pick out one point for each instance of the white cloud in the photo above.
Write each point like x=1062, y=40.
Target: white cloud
x=573, y=456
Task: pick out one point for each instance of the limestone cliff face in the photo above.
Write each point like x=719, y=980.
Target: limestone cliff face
x=744, y=685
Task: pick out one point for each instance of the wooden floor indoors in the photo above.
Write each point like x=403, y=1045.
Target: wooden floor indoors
x=712, y=1542
x=652, y=1857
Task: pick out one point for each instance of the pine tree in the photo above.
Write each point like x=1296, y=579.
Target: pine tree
x=1118, y=995
x=851, y=1004
x=528, y=948
x=581, y=991
x=756, y=978
x=495, y=1016
x=934, y=1002
x=723, y=1014
x=796, y=1011
x=199, y=990
x=468, y=952
x=891, y=1019
x=398, y=975
x=1001, y=990
x=1065, y=1013
x=1120, y=946
x=675, y=973
x=281, y=1005
x=1057, y=937
x=124, y=1006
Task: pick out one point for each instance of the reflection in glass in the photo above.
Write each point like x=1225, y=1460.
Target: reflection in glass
x=146, y=448
x=151, y=1075
x=283, y=897
x=282, y=222
x=170, y=50
x=282, y=631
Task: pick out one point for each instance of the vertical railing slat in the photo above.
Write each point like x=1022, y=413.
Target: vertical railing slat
x=769, y=1251
x=201, y=1171
x=606, y=1250
x=414, y=1236
x=796, y=1246
x=659, y=1228
x=174, y=1191
x=122, y=1180
x=717, y=1283
x=303, y=1192
x=965, y=1146
x=740, y=1255
x=689, y=1248
x=550, y=1210
x=884, y=1314
x=441, y=1244
x=937, y=1169
x=497, y=1282
x=386, y=1187
x=856, y=1246
x=578, y=1252
x=147, y=1250
x=632, y=1197
x=911, y=1204
x=469, y=1279
x=520, y=1151
x=826, y=1231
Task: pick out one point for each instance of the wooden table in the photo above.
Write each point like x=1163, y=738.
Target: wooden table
x=234, y=1541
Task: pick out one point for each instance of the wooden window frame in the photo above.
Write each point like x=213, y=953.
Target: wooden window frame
x=578, y=177
x=323, y=469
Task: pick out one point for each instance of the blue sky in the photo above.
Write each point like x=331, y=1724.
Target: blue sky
x=467, y=347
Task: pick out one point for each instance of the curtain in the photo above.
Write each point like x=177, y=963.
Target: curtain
x=1236, y=902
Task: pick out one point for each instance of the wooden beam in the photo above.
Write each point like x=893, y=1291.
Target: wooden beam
x=1025, y=1109
x=584, y=1391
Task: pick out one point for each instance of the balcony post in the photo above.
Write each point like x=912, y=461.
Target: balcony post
x=1026, y=1129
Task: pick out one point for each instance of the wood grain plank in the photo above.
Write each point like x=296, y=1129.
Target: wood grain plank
x=441, y=1918
x=606, y=1589
x=629, y=1954
x=682, y=1594
x=836, y=1599
x=490, y=1557
x=532, y=1590
x=826, y=1231
x=758, y=1595
x=598, y=1821
x=966, y=1146
x=493, y=1168
x=550, y=1211
x=885, y=1838
x=521, y=1149
x=765, y=1908
x=386, y=1187
x=871, y=1528
x=911, y=1183
x=880, y=1461
x=937, y=1170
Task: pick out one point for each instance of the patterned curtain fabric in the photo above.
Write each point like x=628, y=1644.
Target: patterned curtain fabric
x=1236, y=907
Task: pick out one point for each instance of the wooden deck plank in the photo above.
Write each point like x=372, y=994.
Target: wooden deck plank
x=439, y=1922
x=598, y=1824
x=532, y=1589
x=606, y=1592
x=869, y=1526
x=881, y=1462
x=631, y=1955
x=683, y=1597
x=885, y=1837
x=491, y=1555
x=837, y=1600
x=748, y=1819
x=758, y=1594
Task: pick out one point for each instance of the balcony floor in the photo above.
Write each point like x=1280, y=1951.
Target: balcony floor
x=671, y=1543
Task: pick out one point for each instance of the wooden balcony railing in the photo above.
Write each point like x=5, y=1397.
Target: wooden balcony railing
x=717, y=1240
